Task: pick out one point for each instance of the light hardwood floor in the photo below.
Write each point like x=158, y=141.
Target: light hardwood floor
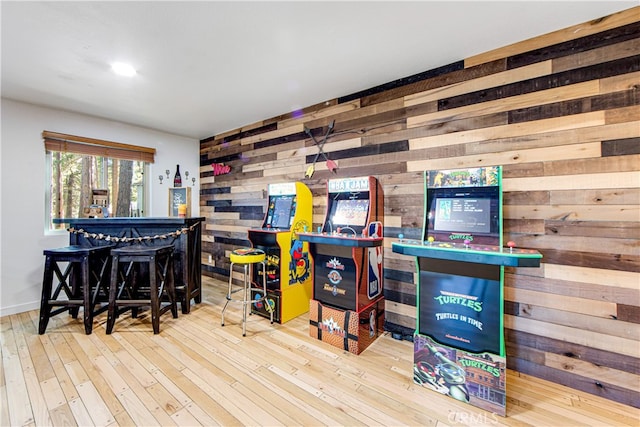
x=196, y=372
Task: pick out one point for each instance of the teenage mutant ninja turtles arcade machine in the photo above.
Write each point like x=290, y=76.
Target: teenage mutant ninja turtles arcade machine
x=459, y=347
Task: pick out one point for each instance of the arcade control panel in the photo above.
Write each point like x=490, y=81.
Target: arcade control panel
x=346, y=236
x=341, y=239
x=467, y=252
x=269, y=229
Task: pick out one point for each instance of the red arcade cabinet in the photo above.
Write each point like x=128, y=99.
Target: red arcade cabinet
x=347, y=309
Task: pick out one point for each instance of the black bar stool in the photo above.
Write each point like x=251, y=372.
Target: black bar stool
x=142, y=276
x=82, y=284
x=247, y=257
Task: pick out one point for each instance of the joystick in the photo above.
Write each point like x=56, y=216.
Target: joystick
x=466, y=243
x=430, y=239
x=511, y=244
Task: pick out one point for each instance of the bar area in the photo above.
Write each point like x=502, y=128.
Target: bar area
x=183, y=233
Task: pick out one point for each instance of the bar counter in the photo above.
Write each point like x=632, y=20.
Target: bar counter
x=184, y=234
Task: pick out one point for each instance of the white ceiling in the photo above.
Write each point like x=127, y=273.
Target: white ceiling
x=211, y=66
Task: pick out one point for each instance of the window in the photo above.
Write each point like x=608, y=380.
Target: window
x=93, y=178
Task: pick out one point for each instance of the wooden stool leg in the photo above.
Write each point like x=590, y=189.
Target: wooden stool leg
x=133, y=270
x=113, y=294
x=85, y=285
x=170, y=287
x=99, y=268
x=185, y=301
x=73, y=275
x=155, y=298
x=45, y=307
x=161, y=285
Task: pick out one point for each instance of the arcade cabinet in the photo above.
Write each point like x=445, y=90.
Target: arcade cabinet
x=347, y=309
x=459, y=347
x=289, y=281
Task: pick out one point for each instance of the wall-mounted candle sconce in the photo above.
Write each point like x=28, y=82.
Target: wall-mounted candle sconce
x=186, y=175
x=160, y=178
x=193, y=180
x=167, y=172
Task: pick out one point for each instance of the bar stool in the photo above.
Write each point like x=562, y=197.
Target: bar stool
x=82, y=284
x=247, y=257
x=142, y=276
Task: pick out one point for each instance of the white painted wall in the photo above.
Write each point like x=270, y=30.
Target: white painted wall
x=22, y=181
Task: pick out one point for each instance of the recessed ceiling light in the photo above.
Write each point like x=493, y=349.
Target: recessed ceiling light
x=123, y=69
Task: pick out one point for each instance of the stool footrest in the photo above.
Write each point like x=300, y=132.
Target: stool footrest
x=62, y=310
x=74, y=302
x=136, y=302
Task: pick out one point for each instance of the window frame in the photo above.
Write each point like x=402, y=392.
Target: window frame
x=83, y=146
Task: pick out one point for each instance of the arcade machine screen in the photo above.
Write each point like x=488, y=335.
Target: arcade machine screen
x=470, y=210
x=351, y=212
x=280, y=217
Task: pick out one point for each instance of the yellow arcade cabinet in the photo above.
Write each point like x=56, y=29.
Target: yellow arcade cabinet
x=289, y=269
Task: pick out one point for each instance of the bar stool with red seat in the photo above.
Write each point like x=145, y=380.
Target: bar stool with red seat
x=142, y=276
x=83, y=284
x=247, y=257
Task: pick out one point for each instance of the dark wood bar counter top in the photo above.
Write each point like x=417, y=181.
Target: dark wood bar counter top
x=184, y=234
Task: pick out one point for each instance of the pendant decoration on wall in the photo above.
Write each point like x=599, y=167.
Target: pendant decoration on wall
x=331, y=165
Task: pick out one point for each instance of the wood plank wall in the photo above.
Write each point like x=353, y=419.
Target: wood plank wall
x=560, y=112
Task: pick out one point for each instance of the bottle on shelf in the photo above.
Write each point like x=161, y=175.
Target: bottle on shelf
x=177, y=179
